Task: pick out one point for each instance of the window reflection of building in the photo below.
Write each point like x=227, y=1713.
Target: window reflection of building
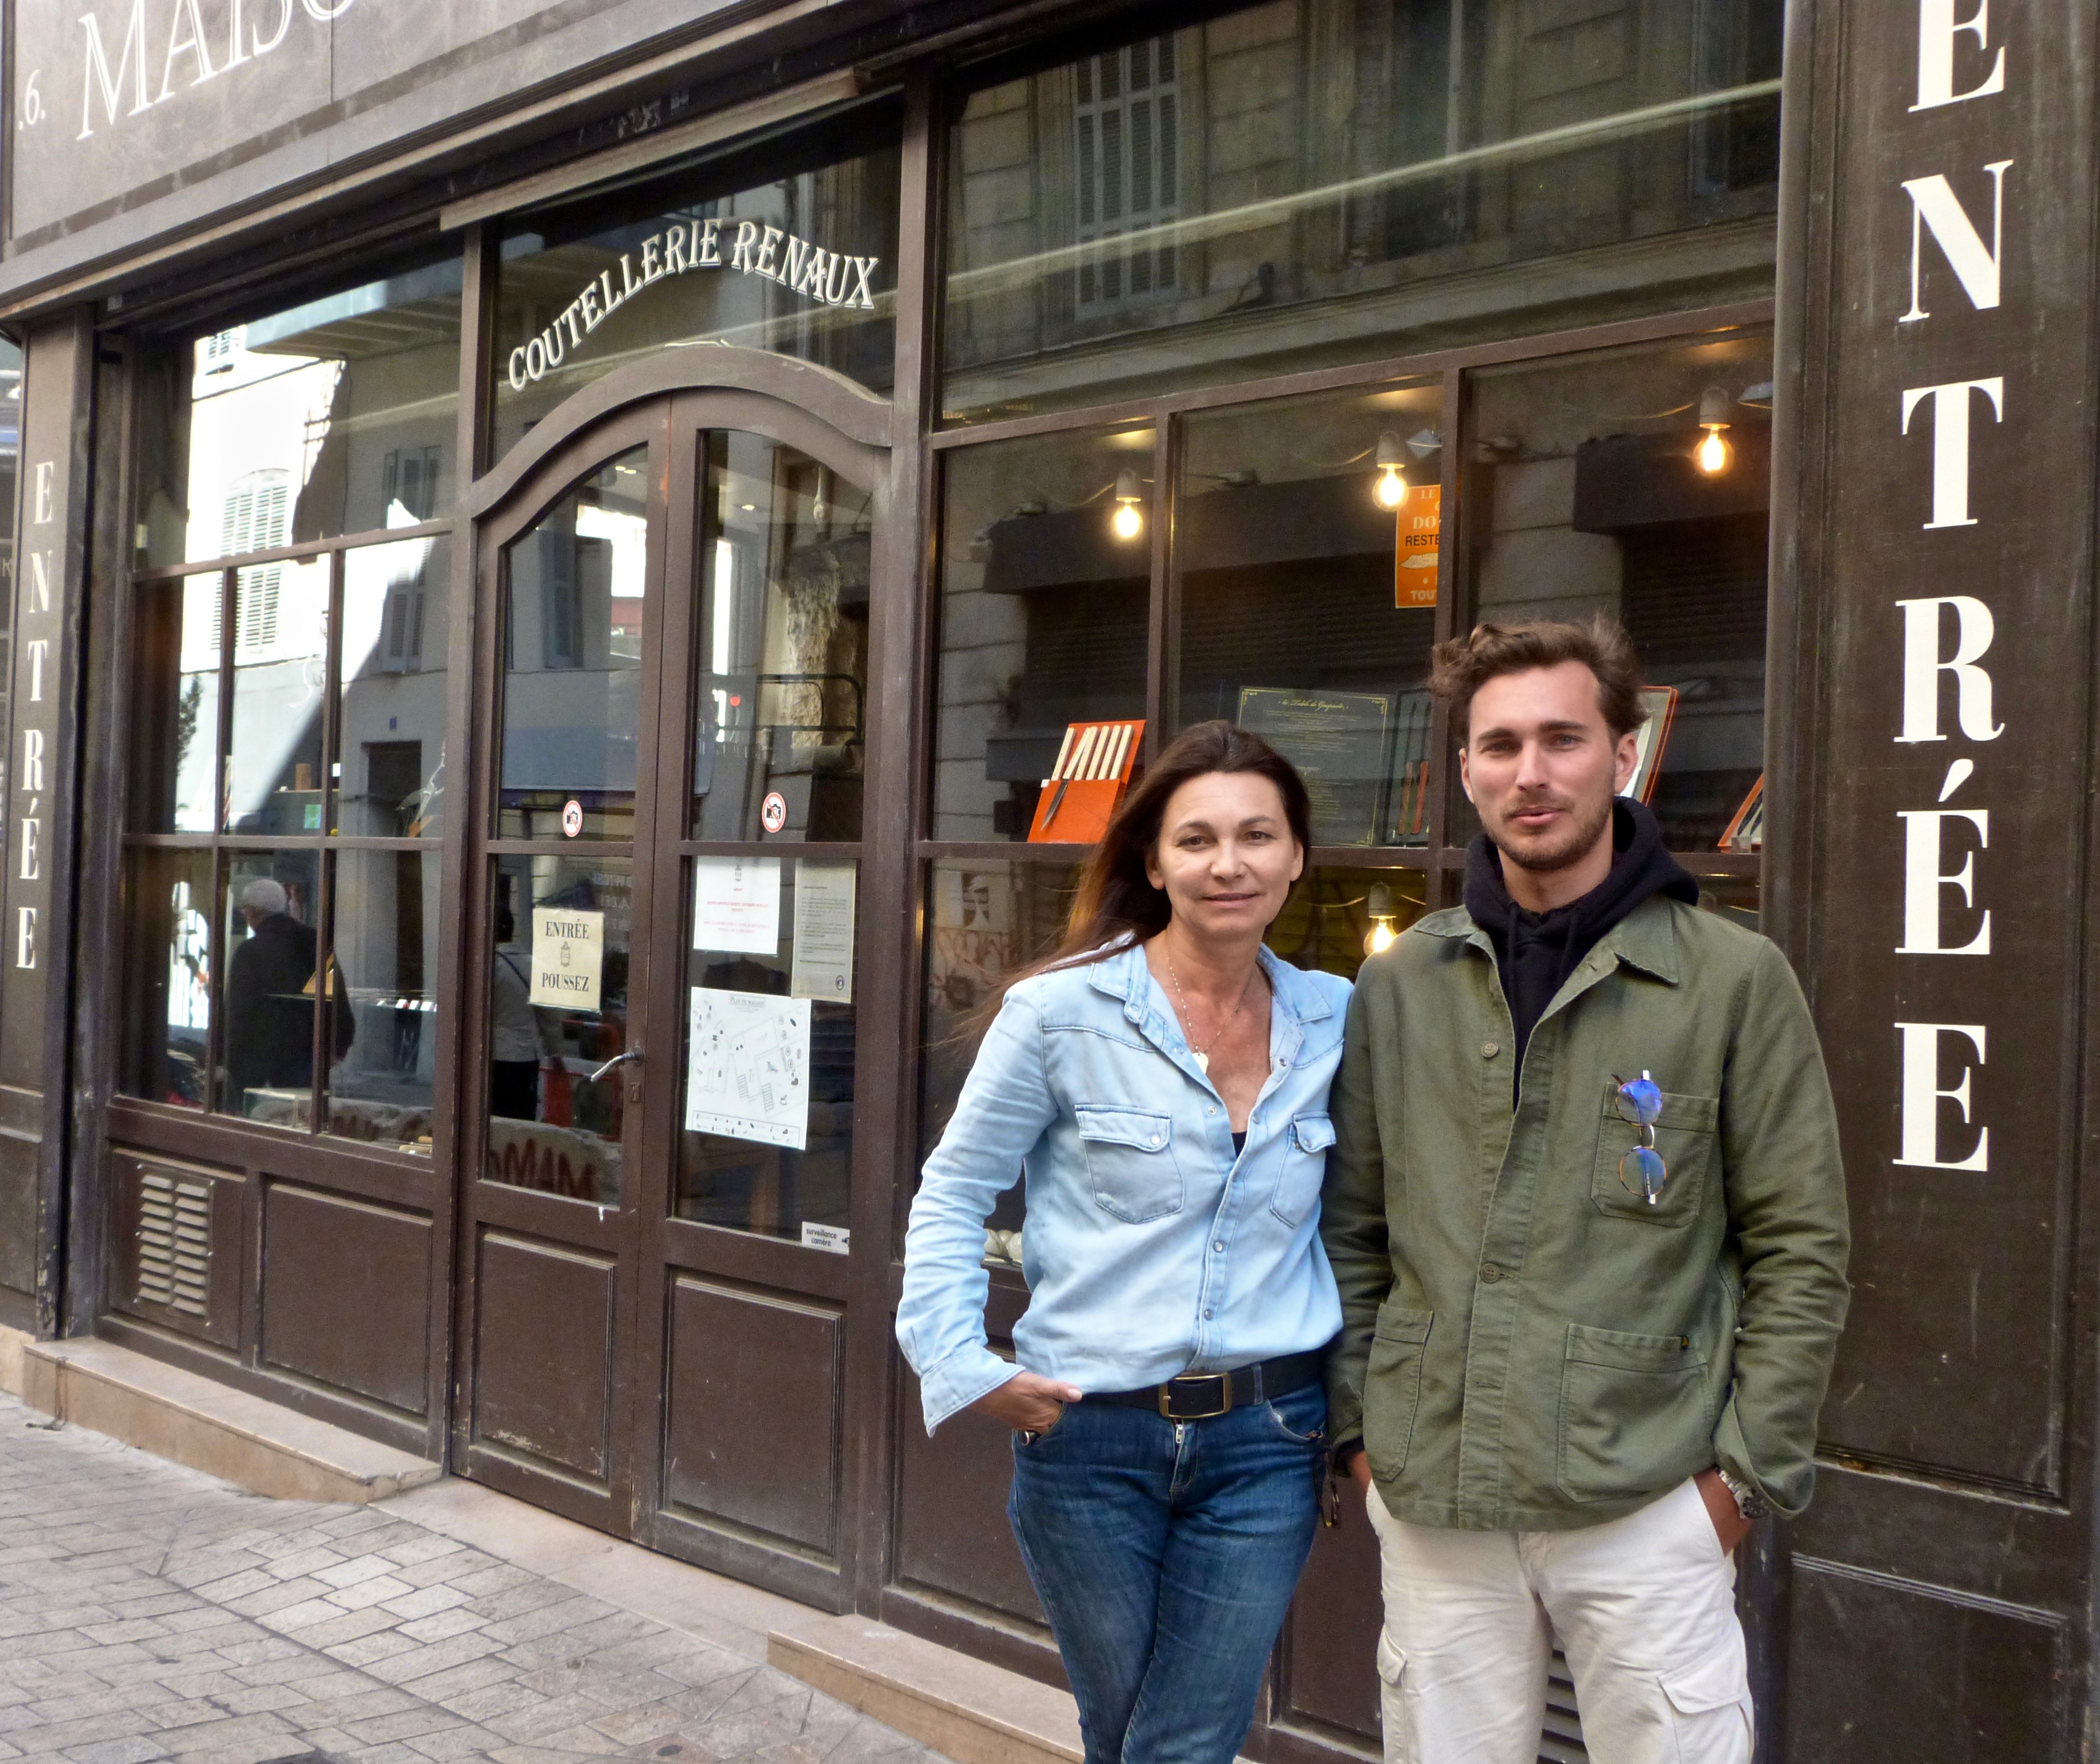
x=1297, y=183
x=348, y=399
x=1127, y=126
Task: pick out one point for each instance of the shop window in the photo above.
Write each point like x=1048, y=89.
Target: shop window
x=1636, y=483
x=389, y=770
x=333, y=415
x=1306, y=555
x=1046, y=569
x=273, y=765
x=790, y=246
x=381, y=996
x=166, y=1052
x=269, y=929
x=1286, y=186
x=270, y=973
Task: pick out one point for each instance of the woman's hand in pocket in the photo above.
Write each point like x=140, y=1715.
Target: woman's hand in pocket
x=1028, y=1403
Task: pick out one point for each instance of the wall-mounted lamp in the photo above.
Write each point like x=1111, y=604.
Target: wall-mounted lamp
x=1128, y=520
x=1391, y=489
x=1713, y=456
x=1382, y=932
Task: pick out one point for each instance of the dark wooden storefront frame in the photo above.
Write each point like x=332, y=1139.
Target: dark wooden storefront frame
x=895, y=866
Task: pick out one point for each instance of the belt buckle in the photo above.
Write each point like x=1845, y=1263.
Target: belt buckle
x=1222, y=1380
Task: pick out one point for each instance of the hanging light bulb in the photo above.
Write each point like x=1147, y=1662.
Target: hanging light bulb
x=1382, y=931
x=1391, y=489
x=1712, y=456
x=1128, y=520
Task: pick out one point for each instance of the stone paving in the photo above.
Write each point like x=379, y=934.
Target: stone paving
x=147, y=1611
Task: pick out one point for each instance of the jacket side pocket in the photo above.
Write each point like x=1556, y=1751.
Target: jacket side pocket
x=1393, y=1387
x=1130, y=1162
x=1634, y=1414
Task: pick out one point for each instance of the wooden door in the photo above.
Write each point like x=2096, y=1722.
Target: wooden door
x=756, y=987
x=660, y=1262
x=571, y=585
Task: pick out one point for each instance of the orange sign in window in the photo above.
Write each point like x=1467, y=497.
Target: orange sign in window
x=1421, y=526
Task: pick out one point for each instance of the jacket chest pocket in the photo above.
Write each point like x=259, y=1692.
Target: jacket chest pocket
x=1305, y=1149
x=1130, y=1162
x=1686, y=1136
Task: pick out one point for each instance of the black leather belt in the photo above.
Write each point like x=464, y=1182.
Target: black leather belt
x=1200, y=1395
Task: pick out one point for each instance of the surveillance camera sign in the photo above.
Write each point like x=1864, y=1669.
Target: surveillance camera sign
x=568, y=956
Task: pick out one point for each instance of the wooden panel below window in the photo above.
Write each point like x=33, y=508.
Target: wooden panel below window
x=543, y=1352
x=1331, y=1638
x=1882, y=1673
x=346, y=1294
x=952, y=1535
x=752, y=1411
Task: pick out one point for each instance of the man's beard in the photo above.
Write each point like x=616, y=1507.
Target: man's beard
x=1544, y=860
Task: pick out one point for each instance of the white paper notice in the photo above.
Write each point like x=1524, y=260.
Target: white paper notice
x=736, y=904
x=568, y=955
x=822, y=967
x=747, y=1067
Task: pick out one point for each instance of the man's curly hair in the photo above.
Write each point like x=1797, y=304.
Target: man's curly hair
x=1464, y=664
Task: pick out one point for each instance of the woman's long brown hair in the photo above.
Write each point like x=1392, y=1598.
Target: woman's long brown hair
x=1117, y=905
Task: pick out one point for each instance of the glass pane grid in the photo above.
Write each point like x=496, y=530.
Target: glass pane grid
x=329, y=662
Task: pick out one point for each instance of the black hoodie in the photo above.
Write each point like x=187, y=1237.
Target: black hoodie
x=1536, y=952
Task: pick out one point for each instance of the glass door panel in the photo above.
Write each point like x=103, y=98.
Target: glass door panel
x=575, y=585
x=558, y=1013
x=765, y=1140
x=782, y=640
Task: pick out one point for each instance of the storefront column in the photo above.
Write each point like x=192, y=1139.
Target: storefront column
x=38, y=898
x=1930, y=853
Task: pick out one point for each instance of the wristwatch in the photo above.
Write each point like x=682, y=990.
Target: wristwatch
x=1749, y=1502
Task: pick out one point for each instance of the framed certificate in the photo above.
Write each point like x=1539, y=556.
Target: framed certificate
x=1338, y=742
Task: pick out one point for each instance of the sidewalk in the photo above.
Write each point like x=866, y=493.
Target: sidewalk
x=147, y=1611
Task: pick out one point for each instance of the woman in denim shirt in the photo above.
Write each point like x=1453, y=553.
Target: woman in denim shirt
x=1163, y=1079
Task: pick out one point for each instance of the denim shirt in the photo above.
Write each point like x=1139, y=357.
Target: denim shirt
x=1150, y=1248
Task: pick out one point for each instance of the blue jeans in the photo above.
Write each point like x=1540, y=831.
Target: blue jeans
x=1166, y=1556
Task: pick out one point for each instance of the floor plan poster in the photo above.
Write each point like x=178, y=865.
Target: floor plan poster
x=747, y=1067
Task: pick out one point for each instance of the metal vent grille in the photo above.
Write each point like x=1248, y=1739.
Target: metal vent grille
x=1562, y=1741
x=175, y=1243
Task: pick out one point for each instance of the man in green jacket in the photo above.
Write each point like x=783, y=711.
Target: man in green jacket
x=1586, y=1213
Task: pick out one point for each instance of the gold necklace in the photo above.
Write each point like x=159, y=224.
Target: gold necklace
x=1181, y=1005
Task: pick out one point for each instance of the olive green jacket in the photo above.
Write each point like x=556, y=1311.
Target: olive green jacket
x=1525, y=1345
